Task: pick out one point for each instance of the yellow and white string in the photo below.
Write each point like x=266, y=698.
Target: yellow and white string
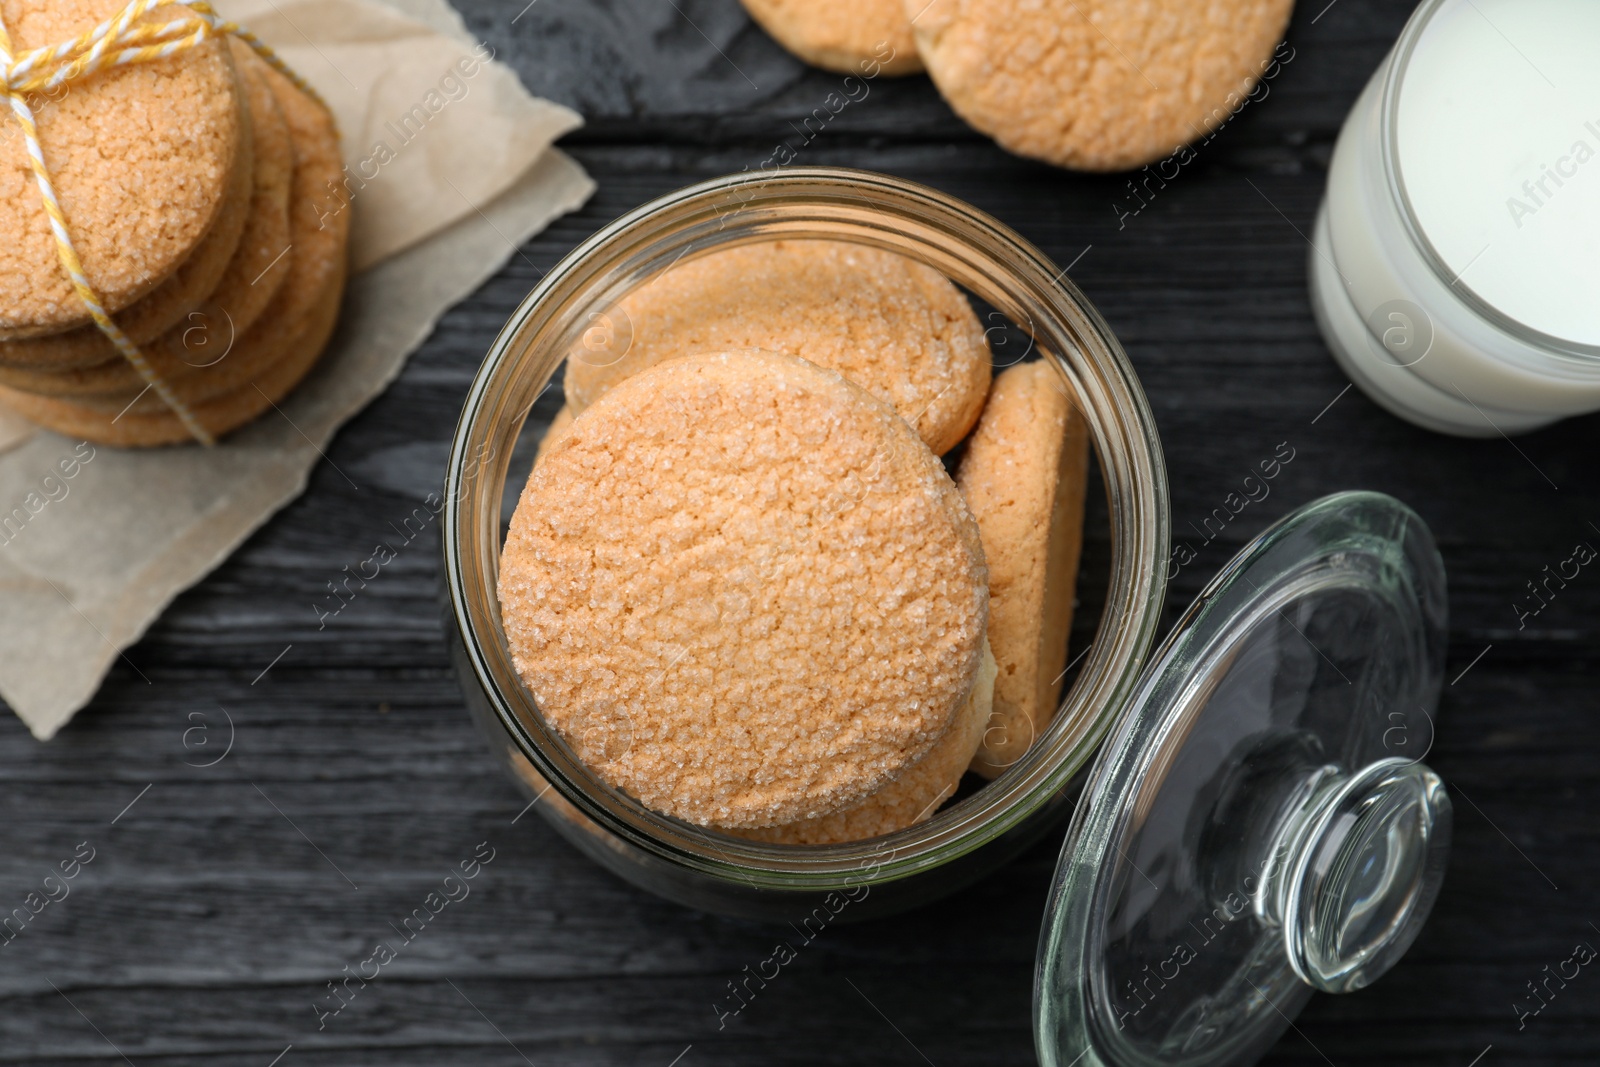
x=116, y=42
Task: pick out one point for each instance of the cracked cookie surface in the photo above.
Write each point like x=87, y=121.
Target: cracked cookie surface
x=744, y=590
x=845, y=36
x=141, y=156
x=915, y=794
x=1097, y=84
x=895, y=327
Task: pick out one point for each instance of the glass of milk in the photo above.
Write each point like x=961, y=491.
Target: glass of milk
x=1455, y=271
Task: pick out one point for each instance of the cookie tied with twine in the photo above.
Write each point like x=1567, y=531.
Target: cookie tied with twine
x=148, y=109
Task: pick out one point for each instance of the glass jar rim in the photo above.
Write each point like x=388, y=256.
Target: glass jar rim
x=1573, y=352
x=971, y=248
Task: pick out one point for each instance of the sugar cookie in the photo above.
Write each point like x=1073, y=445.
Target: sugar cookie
x=744, y=590
x=315, y=256
x=142, y=156
x=895, y=327
x=861, y=37
x=1023, y=475
x=238, y=293
x=162, y=307
x=269, y=359
x=295, y=356
x=912, y=797
x=1097, y=84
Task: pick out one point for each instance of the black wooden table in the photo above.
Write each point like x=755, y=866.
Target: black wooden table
x=217, y=907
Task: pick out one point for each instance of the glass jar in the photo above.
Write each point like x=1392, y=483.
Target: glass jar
x=1262, y=784
x=714, y=871
x=1453, y=270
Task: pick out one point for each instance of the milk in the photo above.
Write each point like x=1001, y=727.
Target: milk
x=1497, y=137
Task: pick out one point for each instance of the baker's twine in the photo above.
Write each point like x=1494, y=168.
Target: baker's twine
x=117, y=42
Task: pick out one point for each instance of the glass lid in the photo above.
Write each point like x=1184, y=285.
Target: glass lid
x=1260, y=824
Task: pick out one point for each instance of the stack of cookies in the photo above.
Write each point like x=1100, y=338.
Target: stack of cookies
x=193, y=188
x=741, y=582
x=1088, y=84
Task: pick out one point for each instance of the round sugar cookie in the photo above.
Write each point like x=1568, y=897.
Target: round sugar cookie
x=1097, y=85
x=860, y=37
x=895, y=327
x=1023, y=476
x=274, y=355
x=316, y=260
x=912, y=797
x=142, y=156
x=230, y=302
x=296, y=355
x=163, y=306
x=744, y=590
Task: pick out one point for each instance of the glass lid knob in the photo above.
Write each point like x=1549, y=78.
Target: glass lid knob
x=1356, y=871
x=1254, y=829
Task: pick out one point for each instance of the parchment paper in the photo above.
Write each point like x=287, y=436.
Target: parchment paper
x=101, y=539
x=414, y=163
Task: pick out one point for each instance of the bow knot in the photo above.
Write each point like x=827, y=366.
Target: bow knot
x=115, y=42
